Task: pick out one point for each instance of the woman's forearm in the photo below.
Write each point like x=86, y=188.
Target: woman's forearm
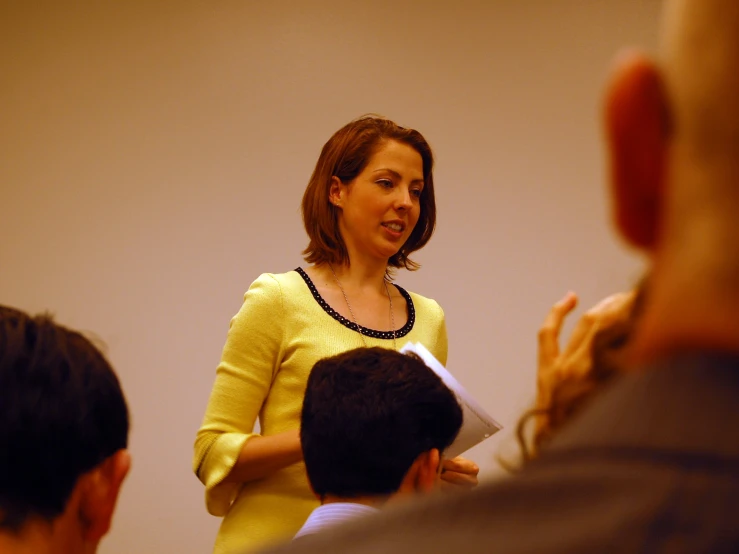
x=262, y=456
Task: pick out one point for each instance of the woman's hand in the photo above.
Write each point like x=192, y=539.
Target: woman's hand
x=459, y=472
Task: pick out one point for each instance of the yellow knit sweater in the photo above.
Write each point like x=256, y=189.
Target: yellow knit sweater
x=281, y=330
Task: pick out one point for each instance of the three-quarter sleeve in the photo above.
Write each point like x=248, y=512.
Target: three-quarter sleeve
x=250, y=359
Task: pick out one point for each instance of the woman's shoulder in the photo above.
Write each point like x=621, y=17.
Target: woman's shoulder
x=424, y=304
x=268, y=293
x=278, y=284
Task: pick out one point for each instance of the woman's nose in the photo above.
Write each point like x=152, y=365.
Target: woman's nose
x=404, y=198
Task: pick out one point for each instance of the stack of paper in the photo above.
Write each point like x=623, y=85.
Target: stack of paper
x=477, y=424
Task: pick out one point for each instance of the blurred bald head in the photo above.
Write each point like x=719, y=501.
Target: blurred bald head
x=700, y=47
x=672, y=127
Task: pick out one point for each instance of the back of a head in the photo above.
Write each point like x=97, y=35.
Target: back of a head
x=62, y=412
x=672, y=127
x=367, y=415
x=700, y=50
x=700, y=59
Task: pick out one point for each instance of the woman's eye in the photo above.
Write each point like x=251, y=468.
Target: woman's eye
x=416, y=193
x=387, y=183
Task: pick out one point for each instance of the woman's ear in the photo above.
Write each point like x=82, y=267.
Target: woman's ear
x=336, y=192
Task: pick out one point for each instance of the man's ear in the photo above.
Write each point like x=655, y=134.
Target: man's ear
x=423, y=475
x=336, y=192
x=100, y=488
x=637, y=125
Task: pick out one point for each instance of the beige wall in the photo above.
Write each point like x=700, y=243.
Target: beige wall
x=153, y=156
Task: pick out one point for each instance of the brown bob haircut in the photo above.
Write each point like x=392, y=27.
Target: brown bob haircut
x=344, y=156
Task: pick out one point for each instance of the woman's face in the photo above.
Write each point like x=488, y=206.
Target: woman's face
x=381, y=206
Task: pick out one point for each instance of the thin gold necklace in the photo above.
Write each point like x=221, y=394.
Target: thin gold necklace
x=346, y=298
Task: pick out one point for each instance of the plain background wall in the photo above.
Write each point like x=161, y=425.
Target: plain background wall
x=153, y=156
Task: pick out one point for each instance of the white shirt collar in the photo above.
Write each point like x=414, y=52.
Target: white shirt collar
x=333, y=513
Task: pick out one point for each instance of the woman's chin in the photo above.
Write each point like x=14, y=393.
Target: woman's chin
x=384, y=251
x=389, y=253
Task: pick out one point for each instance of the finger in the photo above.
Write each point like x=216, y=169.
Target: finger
x=608, y=312
x=460, y=465
x=618, y=306
x=549, y=331
x=597, y=316
x=459, y=479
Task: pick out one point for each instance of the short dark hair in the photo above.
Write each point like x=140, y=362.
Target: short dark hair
x=367, y=415
x=345, y=155
x=62, y=413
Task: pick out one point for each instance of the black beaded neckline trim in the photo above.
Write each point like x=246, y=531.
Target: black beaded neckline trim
x=387, y=335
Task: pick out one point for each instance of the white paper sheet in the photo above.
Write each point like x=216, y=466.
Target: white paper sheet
x=477, y=424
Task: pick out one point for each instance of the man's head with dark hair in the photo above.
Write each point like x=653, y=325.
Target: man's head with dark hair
x=375, y=422
x=63, y=436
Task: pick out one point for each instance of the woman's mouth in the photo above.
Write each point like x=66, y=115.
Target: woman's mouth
x=395, y=226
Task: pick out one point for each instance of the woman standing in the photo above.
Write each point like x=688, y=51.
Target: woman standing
x=368, y=206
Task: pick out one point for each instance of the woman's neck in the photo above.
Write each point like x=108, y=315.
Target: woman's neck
x=358, y=276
